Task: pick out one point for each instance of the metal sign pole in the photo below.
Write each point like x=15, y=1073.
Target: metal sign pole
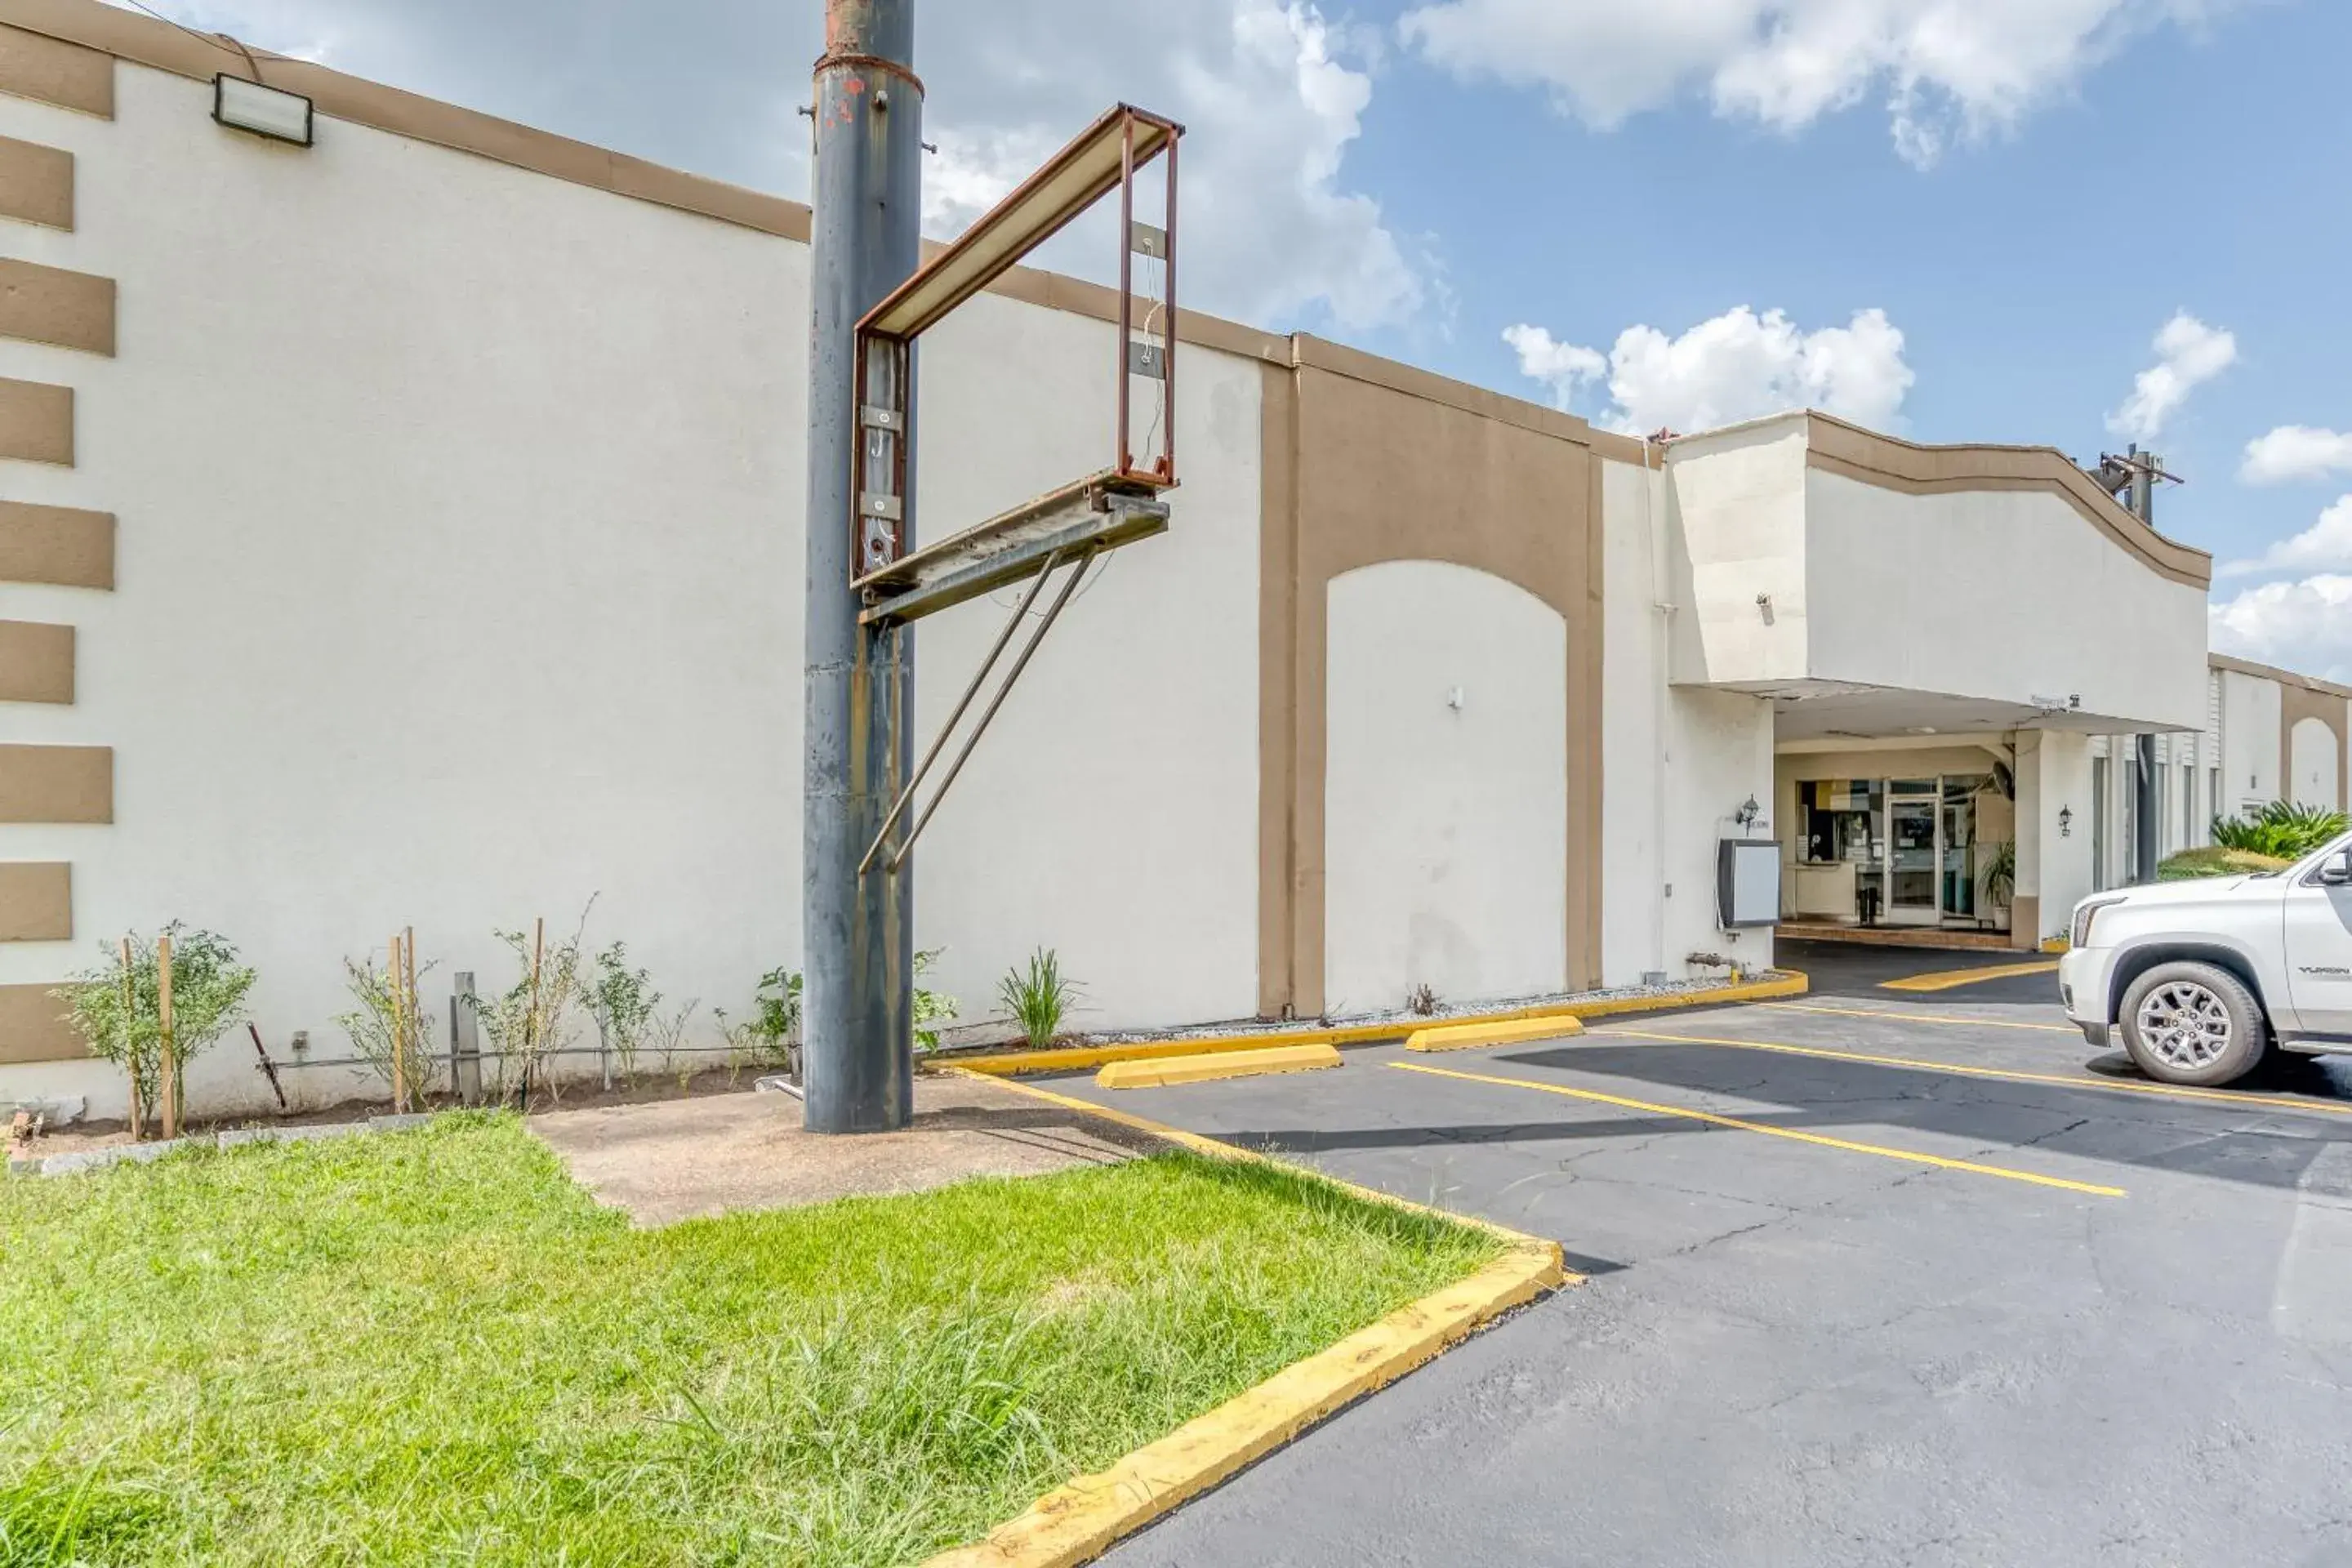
x=865, y=240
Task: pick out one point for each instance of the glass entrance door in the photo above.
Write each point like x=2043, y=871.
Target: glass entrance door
x=1911, y=852
x=1959, y=850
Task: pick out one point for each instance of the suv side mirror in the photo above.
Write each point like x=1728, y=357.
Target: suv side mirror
x=2337, y=871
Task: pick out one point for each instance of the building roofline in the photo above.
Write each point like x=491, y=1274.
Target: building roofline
x=2272, y=672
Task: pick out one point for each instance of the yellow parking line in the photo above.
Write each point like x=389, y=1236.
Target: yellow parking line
x=1926, y=1017
x=1909, y=1156
x=2169, y=1090
x=1950, y=979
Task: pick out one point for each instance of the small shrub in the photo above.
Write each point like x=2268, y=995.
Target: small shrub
x=1040, y=997
x=531, y=1021
x=930, y=1006
x=2216, y=861
x=208, y=991
x=1421, y=1001
x=622, y=1003
x=2282, y=830
x=388, y=1027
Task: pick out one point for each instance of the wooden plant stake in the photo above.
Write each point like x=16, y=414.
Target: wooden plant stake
x=130, y=1042
x=399, y=1072
x=416, y=1010
x=530, y=1034
x=167, y=1064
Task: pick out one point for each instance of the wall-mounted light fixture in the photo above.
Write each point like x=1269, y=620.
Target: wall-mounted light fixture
x=2065, y=822
x=1747, y=813
x=264, y=110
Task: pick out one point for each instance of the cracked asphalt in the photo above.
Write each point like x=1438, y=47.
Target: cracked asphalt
x=2113, y=1326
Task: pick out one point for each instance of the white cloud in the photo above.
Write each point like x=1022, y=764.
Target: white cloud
x=2189, y=353
x=2303, y=626
x=1273, y=94
x=1740, y=365
x=2296, y=452
x=1947, y=69
x=2325, y=546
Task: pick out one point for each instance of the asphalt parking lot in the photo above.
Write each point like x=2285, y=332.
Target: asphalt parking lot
x=1924, y=1280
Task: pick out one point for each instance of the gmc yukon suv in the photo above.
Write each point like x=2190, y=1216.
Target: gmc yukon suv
x=2203, y=978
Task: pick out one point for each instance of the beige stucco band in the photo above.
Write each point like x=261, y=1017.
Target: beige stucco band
x=36, y=182
x=37, y=422
x=52, y=305
x=57, y=783
x=51, y=70
x=2298, y=704
x=36, y=900
x=33, y=1029
x=1835, y=447
x=36, y=662
x=1360, y=472
x=56, y=544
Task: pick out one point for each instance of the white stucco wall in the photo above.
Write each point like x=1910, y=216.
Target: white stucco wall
x=1738, y=524
x=2314, y=755
x=1111, y=811
x=2054, y=819
x=1925, y=594
x=1445, y=828
x=2251, y=718
x=1677, y=762
x=460, y=579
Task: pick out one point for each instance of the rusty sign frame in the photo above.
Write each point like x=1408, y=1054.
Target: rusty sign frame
x=1103, y=157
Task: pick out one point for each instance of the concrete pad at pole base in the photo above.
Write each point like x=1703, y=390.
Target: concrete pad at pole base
x=1467, y=1037
x=1164, y=1070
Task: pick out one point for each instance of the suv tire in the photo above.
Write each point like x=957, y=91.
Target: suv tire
x=2193, y=1024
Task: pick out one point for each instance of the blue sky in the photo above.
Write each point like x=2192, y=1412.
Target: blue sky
x=2025, y=192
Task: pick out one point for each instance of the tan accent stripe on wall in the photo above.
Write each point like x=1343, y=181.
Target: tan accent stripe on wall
x=50, y=305
x=37, y=422
x=36, y=662
x=59, y=545
x=32, y=1028
x=57, y=783
x=2271, y=672
x=1834, y=447
x=36, y=182
x=53, y=71
x=2296, y=703
x=1277, y=664
x=1379, y=472
x=35, y=902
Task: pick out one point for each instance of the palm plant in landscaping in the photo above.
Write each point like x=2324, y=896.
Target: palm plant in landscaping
x=2282, y=830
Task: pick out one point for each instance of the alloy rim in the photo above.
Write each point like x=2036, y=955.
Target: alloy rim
x=2184, y=1024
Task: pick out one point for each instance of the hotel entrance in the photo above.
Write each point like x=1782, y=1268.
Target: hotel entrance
x=1903, y=851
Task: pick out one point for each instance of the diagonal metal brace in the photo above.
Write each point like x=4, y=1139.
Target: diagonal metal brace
x=1085, y=558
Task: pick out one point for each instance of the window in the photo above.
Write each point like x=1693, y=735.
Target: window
x=2213, y=801
x=2188, y=806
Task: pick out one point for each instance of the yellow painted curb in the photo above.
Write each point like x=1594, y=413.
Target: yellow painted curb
x=1951, y=979
x=1163, y=1070
x=1464, y=1036
x=1075, y=1523
x=1085, y=1059
x=2058, y=944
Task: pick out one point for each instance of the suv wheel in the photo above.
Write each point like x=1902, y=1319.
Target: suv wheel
x=2193, y=1024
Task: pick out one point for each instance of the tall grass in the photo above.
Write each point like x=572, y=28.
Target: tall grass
x=433, y=1348
x=1040, y=997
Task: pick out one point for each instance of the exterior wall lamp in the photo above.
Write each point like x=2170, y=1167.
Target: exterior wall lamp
x=2065, y=822
x=264, y=110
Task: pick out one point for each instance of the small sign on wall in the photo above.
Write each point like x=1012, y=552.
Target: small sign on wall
x=1747, y=883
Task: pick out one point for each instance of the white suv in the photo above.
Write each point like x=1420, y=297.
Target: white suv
x=2202, y=978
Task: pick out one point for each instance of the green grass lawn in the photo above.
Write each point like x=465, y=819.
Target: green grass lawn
x=432, y=1347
